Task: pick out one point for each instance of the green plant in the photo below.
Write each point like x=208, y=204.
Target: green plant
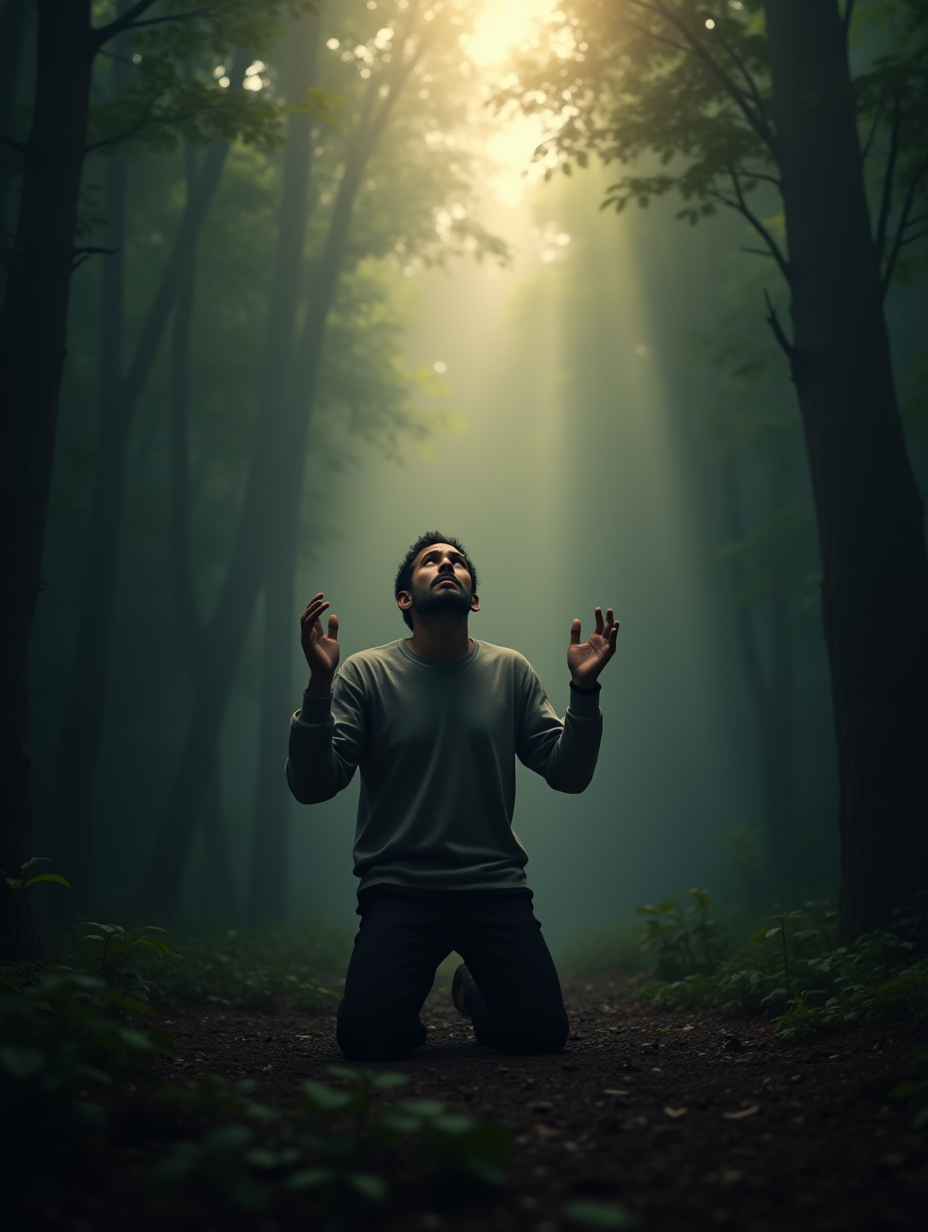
x=115, y=951
x=344, y=1154
x=916, y=1087
x=589, y=1213
x=680, y=940
x=59, y=1035
x=807, y=983
x=256, y=969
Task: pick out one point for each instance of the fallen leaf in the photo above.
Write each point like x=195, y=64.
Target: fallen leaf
x=656, y=1069
x=546, y=1131
x=742, y=1113
x=613, y=1091
x=676, y=1113
x=540, y=1105
x=638, y=1122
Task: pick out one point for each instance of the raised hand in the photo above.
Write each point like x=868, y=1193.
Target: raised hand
x=320, y=649
x=587, y=659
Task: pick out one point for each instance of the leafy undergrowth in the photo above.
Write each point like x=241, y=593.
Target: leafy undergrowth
x=791, y=968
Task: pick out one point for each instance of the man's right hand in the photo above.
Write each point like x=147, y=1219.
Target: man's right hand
x=320, y=649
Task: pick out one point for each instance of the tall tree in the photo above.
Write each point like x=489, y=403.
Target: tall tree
x=33, y=319
x=269, y=516
x=747, y=95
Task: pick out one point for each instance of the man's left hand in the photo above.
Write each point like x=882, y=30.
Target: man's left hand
x=587, y=659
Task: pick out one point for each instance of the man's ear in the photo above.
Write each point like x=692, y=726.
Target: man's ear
x=404, y=600
x=475, y=602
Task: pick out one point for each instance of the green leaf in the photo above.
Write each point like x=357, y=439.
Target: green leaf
x=34, y=860
x=310, y=1178
x=425, y=1108
x=386, y=1082
x=341, y=1071
x=21, y=1063
x=370, y=1186
x=323, y=1099
x=452, y=1123
x=48, y=877
x=591, y=1214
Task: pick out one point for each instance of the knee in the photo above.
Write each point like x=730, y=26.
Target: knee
x=371, y=1039
x=537, y=1037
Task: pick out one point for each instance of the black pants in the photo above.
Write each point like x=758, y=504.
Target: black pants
x=515, y=1001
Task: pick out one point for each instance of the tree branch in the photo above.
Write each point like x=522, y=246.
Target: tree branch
x=865, y=151
x=130, y=21
x=16, y=145
x=774, y=322
x=848, y=14
x=757, y=121
x=886, y=197
x=176, y=118
x=773, y=248
x=904, y=221
x=83, y=254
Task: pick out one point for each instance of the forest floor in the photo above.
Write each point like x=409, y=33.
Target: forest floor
x=688, y=1120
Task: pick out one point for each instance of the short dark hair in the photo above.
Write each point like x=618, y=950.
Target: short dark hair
x=404, y=573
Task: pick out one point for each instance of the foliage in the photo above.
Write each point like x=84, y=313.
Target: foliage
x=589, y=1213
x=792, y=971
x=681, y=940
x=256, y=969
x=114, y=954
x=61, y=1032
x=342, y=1153
x=916, y=1087
x=680, y=90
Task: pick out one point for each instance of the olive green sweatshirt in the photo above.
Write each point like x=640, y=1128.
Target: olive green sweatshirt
x=436, y=743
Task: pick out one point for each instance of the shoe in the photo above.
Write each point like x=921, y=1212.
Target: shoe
x=462, y=977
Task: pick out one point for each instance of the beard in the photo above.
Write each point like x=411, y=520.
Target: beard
x=444, y=601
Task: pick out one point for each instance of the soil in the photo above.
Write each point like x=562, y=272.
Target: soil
x=688, y=1120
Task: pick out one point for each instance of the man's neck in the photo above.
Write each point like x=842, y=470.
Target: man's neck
x=440, y=637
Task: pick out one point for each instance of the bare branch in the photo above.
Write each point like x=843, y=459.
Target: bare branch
x=757, y=252
x=774, y=322
x=14, y=144
x=748, y=174
x=904, y=221
x=912, y=238
x=739, y=204
x=132, y=19
x=176, y=117
x=874, y=127
x=83, y=254
x=886, y=198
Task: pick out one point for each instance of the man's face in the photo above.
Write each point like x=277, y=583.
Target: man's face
x=441, y=583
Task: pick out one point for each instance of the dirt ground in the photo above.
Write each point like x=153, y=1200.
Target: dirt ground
x=688, y=1120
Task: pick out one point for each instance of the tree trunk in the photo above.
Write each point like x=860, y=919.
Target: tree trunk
x=771, y=692
x=224, y=639
x=12, y=41
x=73, y=799
x=218, y=862
x=270, y=516
x=33, y=333
x=871, y=536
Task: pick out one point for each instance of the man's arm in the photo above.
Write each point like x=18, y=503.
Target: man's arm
x=327, y=733
x=565, y=753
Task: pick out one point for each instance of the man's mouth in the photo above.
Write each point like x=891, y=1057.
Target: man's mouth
x=446, y=582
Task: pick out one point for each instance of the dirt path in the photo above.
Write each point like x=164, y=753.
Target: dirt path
x=689, y=1120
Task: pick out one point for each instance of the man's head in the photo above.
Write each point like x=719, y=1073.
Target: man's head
x=436, y=577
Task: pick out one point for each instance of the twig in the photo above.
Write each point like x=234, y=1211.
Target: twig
x=886, y=197
x=900, y=238
x=83, y=254
x=774, y=322
x=746, y=212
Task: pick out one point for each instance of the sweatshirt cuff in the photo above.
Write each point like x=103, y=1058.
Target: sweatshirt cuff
x=315, y=710
x=585, y=705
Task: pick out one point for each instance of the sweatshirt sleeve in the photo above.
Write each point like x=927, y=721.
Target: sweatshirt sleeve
x=564, y=752
x=327, y=736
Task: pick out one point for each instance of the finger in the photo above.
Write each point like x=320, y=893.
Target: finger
x=575, y=632
x=333, y=628
x=599, y=620
x=312, y=614
x=314, y=599
x=610, y=618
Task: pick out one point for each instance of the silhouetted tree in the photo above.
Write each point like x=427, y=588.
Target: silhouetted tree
x=737, y=97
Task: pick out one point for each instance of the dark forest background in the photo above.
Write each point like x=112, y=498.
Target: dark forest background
x=265, y=187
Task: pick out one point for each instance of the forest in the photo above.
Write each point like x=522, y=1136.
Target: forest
x=632, y=297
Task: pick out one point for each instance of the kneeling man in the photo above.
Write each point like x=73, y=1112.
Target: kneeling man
x=435, y=722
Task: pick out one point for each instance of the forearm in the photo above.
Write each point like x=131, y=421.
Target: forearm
x=316, y=770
